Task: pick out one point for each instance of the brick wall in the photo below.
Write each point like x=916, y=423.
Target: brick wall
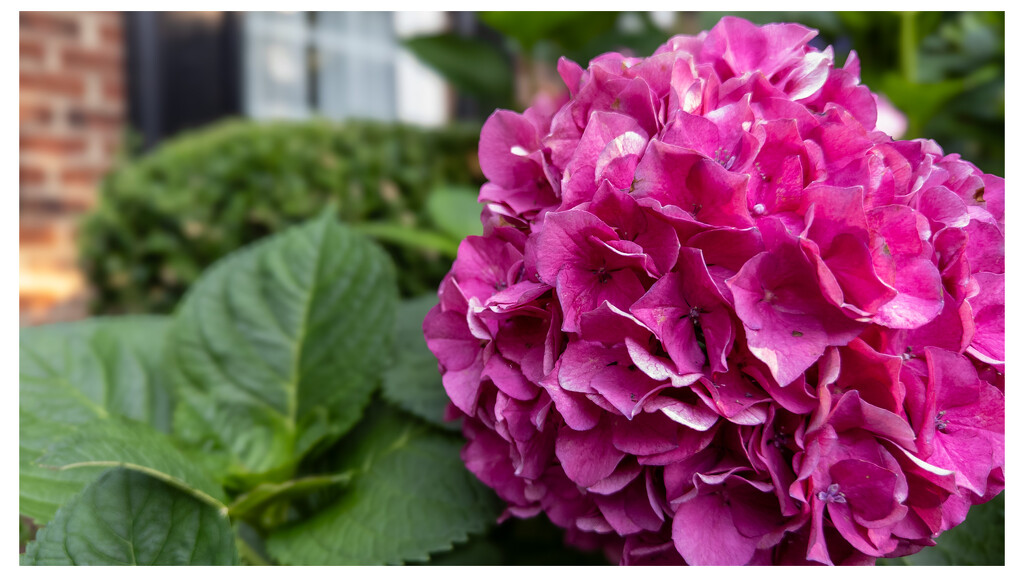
x=72, y=110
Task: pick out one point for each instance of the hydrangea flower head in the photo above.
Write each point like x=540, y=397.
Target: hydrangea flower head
x=717, y=317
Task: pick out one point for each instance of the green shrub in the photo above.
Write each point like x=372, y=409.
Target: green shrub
x=166, y=216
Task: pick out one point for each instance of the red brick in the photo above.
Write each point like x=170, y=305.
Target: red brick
x=113, y=89
x=96, y=60
x=34, y=114
x=49, y=23
x=49, y=144
x=105, y=120
x=31, y=175
x=52, y=203
x=111, y=34
x=31, y=51
x=85, y=177
x=64, y=84
x=37, y=233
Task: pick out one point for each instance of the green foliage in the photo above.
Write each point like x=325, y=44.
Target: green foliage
x=132, y=445
x=277, y=349
x=77, y=374
x=163, y=218
x=267, y=367
x=412, y=497
x=413, y=382
x=129, y=518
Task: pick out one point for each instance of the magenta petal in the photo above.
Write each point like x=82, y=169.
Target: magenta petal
x=695, y=416
x=587, y=456
x=565, y=242
x=849, y=261
x=942, y=207
x=506, y=140
x=645, y=434
x=687, y=179
x=783, y=319
x=608, y=136
x=681, y=303
x=968, y=422
x=509, y=378
x=578, y=412
x=705, y=534
x=986, y=249
x=989, y=318
x=919, y=298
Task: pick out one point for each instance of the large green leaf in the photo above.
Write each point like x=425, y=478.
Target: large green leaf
x=469, y=64
x=455, y=211
x=128, y=518
x=122, y=443
x=77, y=373
x=411, y=496
x=980, y=540
x=278, y=347
x=413, y=382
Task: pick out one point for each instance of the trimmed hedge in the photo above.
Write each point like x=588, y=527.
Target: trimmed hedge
x=166, y=216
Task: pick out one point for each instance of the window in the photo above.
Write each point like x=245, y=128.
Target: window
x=339, y=65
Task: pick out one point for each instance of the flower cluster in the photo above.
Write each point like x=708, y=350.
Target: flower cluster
x=717, y=318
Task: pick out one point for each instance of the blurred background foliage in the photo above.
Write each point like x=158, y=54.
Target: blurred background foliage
x=166, y=215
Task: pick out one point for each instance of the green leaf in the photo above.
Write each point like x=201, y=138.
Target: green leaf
x=278, y=348
x=412, y=496
x=409, y=237
x=128, y=518
x=455, y=211
x=980, y=540
x=413, y=382
x=115, y=443
x=77, y=373
x=471, y=65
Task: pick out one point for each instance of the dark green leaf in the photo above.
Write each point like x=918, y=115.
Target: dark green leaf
x=278, y=348
x=77, y=373
x=413, y=382
x=128, y=518
x=411, y=497
x=469, y=64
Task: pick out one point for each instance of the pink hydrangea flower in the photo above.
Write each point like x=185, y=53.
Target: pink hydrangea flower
x=718, y=316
